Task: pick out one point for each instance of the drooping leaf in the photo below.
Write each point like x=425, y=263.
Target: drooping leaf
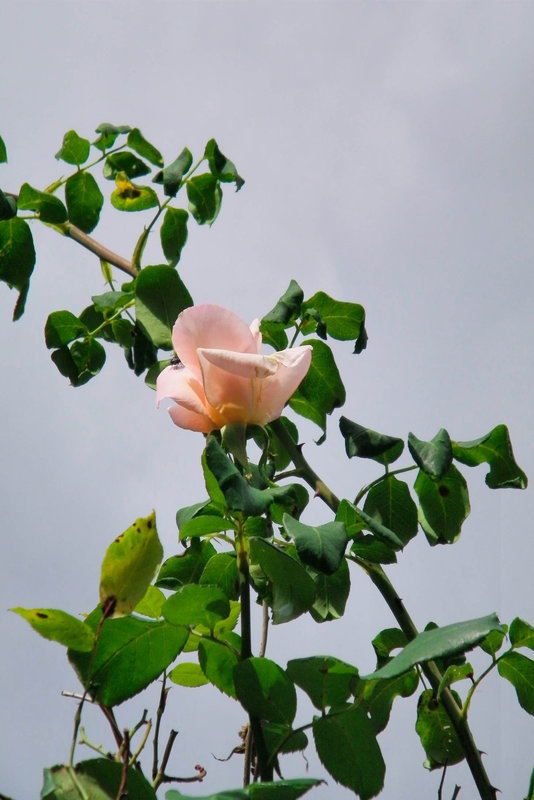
x=131, y=197
x=264, y=690
x=205, y=196
x=281, y=738
x=322, y=389
x=347, y=746
x=292, y=589
x=151, y=603
x=331, y=593
x=58, y=626
x=453, y=674
x=84, y=201
x=492, y=643
x=288, y=307
x=109, y=134
x=81, y=362
x=3, y=151
x=380, y=531
x=129, y=565
x=205, y=525
x=320, y=546
x=17, y=253
x=46, y=206
x=142, y=354
x=8, y=206
x=519, y=670
x=124, y=162
x=221, y=167
x=172, y=175
x=98, y=779
x=380, y=695
x=495, y=449
x=366, y=443
x=187, y=568
x=443, y=505
x=390, y=503
x=196, y=605
x=160, y=296
x=145, y=149
x=342, y=320
x=326, y=680
x=437, y=643
x=173, y=233
x=131, y=653
x=75, y=149
x=434, y=457
x=438, y=737
x=275, y=790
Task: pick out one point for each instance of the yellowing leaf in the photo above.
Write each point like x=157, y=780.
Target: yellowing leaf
x=130, y=565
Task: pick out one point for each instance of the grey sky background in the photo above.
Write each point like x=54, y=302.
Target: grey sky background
x=387, y=152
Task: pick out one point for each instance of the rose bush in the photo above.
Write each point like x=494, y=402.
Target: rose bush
x=223, y=378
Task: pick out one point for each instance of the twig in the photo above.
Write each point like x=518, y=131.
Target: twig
x=93, y=746
x=159, y=713
x=122, y=792
x=442, y=783
x=264, y=629
x=135, y=756
x=70, y=230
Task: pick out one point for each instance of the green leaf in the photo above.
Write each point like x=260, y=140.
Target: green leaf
x=389, y=502
x=293, y=590
x=75, y=149
x=160, y=296
x=17, y=253
x=521, y=634
x=281, y=738
x=8, y=206
x=322, y=389
x=142, y=147
x=98, y=779
x=131, y=197
x=129, y=566
x=173, y=233
x=221, y=167
x=434, y=457
x=111, y=301
x=109, y=134
x=444, y=505
x=437, y=643
x=188, y=674
x=455, y=673
x=205, y=525
x=238, y=493
x=342, y=320
x=131, y=653
x=171, y=176
x=380, y=531
x=264, y=690
x=142, y=354
x=380, y=695
x=288, y=307
x=347, y=746
x=322, y=546
x=205, y=196
x=151, y=603
x=492, y=643
x=495, y=449
x=331, y=593
x=438, y=737
x=3, y=152
x=366, y=443
x=81, y=362
x=221, y=570
x=326, y=680
x=84, y=201
x=58, y=626
x=48, y=207
x=218, y=662
x=196, y=605
x=187, y=568
x=62, y=327
x=276, y=790
x=387, y=640
x=124, y=162
x=519, y=670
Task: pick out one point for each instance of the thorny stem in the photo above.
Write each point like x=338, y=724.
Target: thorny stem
x=159, y=777
x=159, y=714
x=396, y=605
x=122, y=791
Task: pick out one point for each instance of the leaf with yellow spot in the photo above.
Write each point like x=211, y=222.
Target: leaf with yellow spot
x=130, y=197
x=58, y=626
x=130, y=565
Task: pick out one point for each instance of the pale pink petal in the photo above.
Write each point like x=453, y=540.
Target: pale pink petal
x=274, y=392
x=255, y=331
x=210, y=326
x=229, y=395
x=246, y=365
x=191, y=421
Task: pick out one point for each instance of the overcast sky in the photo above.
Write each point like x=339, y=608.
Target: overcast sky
x=387, y=151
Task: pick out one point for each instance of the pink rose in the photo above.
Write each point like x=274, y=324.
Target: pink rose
x=223, y=378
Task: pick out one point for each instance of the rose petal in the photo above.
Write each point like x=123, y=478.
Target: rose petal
x=191, y=421
x=246, y=365
x=274, y=392
x=210, y=326
x=255, y=331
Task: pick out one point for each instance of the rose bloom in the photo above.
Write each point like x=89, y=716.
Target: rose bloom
x=223, y=377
